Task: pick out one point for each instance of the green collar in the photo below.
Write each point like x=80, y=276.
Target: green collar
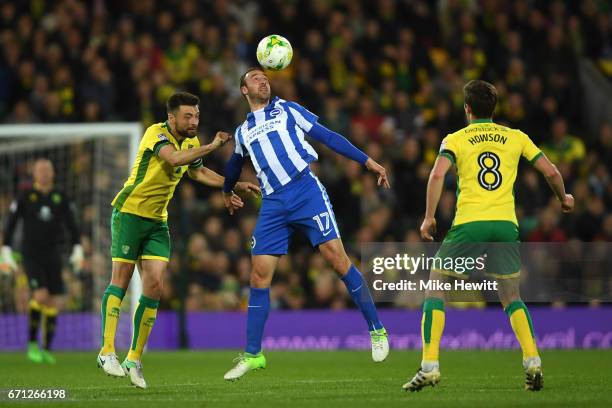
x=481, y=121
x=167, y=126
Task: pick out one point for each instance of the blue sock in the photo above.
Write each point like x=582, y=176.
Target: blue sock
x=358, y=289
x=259, y=306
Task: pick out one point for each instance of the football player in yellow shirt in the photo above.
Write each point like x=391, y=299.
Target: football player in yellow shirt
x=139, y=229
x=486, y=156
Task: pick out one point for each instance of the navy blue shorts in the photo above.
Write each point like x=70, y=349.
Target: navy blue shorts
x=302, y=204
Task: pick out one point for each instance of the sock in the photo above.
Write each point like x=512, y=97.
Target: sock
x=432, y=326
x=49, y=317
x=110, y=308
x=144, y=319
x=520, y=320
x=358, y=289
x=259, y=307
x=35, y=314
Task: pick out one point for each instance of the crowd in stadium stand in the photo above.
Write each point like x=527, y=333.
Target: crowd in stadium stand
x=386, y=74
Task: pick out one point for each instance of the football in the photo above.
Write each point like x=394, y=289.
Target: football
x=274, y=52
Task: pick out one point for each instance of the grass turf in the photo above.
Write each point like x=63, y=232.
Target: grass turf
x=318, y=379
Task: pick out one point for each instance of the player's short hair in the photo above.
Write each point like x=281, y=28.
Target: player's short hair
x=181, y=98
x=481, y=96
x=243, y=76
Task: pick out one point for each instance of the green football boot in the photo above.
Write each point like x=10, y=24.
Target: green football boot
x=34, y=354
x=245, y=362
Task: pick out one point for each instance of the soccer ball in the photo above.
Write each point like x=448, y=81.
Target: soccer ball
x=274, y=52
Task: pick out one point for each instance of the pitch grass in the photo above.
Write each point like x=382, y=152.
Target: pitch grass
x=319, y=379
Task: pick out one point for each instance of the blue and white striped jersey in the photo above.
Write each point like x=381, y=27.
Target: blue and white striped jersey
x=274, y=139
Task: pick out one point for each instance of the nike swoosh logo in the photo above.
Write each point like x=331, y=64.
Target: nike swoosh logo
x=102, y=360
x=254, y=306
x=327, y=233
x=355, y=290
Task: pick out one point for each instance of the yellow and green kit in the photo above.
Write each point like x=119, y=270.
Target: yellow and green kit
x=138, y=226
x=487, y=156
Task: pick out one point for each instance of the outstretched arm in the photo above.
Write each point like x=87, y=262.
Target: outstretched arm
x=342, y=146
x=337, y=143
x=206, y=176
x=434, y=191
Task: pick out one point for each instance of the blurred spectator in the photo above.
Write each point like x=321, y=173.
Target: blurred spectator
x=388, y=75
x=563, y=148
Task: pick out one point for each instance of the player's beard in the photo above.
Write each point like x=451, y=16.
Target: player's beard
x=262, y=95
x=186, y=133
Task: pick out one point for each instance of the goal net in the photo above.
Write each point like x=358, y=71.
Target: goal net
x=91, y=162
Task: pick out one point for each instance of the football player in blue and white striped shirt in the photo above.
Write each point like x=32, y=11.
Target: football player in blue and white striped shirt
x=273, y=137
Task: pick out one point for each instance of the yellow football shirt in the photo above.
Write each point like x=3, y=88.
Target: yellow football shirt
x=487, y=156
x=152, y=181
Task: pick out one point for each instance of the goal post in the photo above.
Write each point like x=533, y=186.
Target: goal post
x=91, y=161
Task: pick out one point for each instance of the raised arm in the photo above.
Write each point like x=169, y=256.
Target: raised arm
x=206, y=176
x=342, y=146
x=177, y=158
x=337, y=143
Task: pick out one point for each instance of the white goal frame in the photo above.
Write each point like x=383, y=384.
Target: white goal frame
x=83, y=131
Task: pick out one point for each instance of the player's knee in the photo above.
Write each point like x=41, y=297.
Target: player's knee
x=337, y=258
x=507, y=297
x=508, y=291
x=507, y=300
x=152, y=286
x=259, y=278
x=341, y=264
x=261, y=274
x=122, y=273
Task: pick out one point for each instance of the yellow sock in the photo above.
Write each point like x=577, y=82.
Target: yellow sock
x=35, y=320
x=520, y=320
x=432, y=326
x=49, y=319
x=144, y=319
x=111, y=309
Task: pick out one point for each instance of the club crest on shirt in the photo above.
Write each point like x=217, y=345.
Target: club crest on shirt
x=161, y=136
x=276, y=112
x=45, y=214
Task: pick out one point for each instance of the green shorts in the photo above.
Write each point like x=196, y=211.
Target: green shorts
x=492, y=246
x=134, y=237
